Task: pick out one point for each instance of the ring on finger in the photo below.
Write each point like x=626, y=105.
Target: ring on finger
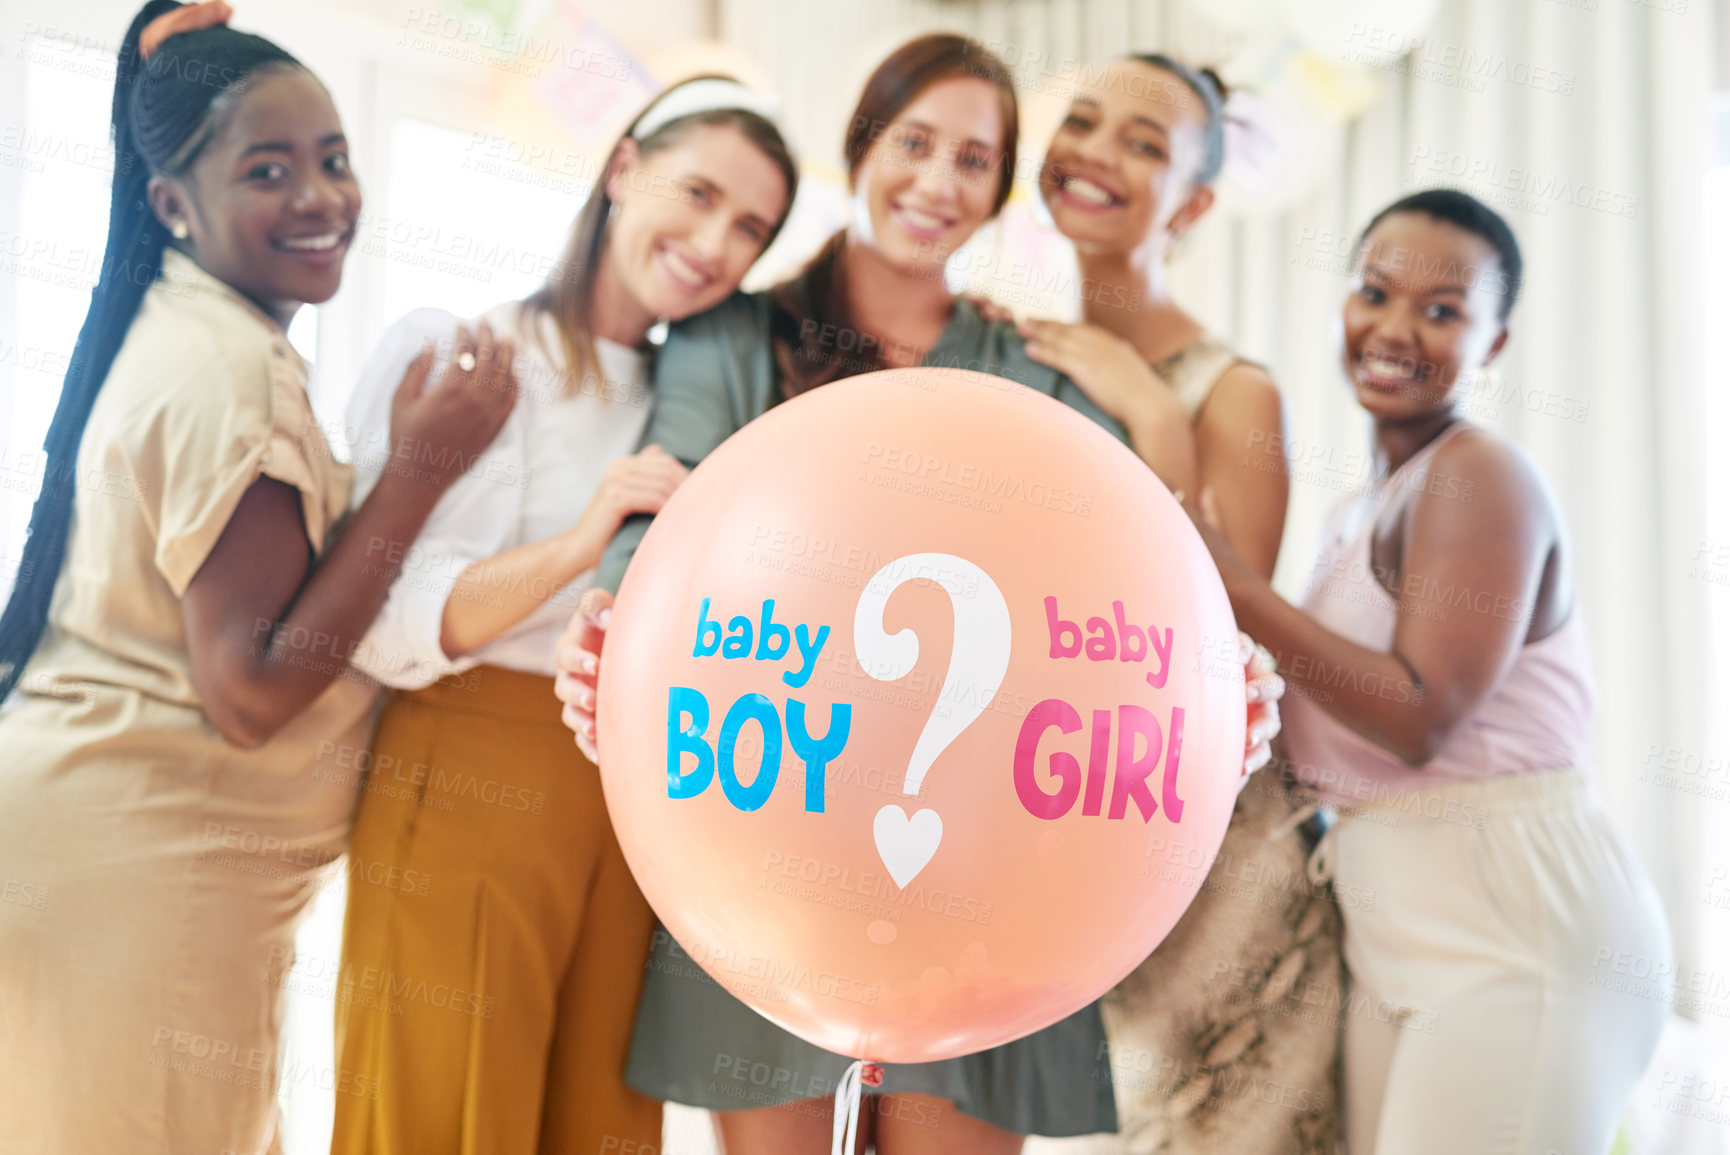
x=466, y=361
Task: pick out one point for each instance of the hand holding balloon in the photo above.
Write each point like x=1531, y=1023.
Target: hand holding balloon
x=1263, y=688
x=578, y=657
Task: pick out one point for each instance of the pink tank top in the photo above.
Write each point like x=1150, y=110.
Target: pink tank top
x=1535, y=718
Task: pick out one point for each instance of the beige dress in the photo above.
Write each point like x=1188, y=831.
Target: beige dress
x=1226, y=1039
x=154, y=874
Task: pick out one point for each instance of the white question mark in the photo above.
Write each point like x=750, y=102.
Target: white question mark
x=977, y=663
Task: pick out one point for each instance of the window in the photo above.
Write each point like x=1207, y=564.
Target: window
x=52, y=256
x=51, y=253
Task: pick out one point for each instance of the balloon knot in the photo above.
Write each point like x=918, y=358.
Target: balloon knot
x=871, y=1075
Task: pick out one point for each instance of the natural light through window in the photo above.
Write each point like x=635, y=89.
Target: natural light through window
x=439, y=250
x=54, y=256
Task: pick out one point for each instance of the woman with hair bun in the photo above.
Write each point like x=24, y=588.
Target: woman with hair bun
x=1230, y=999
x=530, y=912
x=179, y=636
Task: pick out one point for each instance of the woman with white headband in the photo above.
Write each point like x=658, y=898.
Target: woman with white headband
x=495, y=940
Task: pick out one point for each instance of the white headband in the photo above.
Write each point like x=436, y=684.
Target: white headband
x=711, y=95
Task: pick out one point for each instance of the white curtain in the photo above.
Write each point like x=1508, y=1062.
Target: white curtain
x=1539, y=104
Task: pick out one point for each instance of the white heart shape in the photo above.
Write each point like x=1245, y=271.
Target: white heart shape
x=906, y=844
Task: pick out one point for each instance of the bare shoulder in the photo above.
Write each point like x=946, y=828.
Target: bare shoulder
x=1244, y=398
x=1247, y=381
x=1499, y=465
x=1480, y=470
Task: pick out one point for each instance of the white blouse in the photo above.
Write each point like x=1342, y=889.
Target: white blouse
x=534, y=481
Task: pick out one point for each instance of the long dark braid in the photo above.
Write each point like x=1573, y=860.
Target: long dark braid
x=165, y=110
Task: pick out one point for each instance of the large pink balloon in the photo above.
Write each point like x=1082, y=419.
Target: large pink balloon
x=1006, y=649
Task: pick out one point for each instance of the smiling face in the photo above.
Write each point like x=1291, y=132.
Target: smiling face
x=269, y=204
x=1424, y=307
x=931, y=177
x=1121, y=169
x=692, y=218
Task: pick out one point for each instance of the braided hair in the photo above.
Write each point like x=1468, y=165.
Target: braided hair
x=166, y=109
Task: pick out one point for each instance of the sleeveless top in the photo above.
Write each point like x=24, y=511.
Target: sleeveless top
x=1535, y=718
x=1193, y=371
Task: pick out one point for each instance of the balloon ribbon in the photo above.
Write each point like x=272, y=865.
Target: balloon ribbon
x=847, y=1092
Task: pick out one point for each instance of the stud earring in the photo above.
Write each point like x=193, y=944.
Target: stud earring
x=179, y=230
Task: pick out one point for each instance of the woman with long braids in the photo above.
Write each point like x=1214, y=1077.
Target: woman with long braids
x=178, y=636
x=1247, y=986
x=534, y=915
x=930, y=153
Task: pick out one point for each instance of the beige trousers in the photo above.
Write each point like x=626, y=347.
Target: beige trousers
x=1508, y=980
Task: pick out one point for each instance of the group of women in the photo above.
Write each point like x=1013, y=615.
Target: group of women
x=191, y=660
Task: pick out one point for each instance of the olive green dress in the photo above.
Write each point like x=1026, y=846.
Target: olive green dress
x=697, y=1044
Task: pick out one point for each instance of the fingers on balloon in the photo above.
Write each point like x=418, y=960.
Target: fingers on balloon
x=586, y=743
x=1263, y=729
x=589, y=625
x=570, y=689
x=1267, y=726
x=1265, y=688
x=573, y=658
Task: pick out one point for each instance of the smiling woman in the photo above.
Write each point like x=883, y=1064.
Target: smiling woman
x=1130, y=171
x=535, y=909
x=230, y=195
x=231, y=209
x=184, y=663
x=1446, y=696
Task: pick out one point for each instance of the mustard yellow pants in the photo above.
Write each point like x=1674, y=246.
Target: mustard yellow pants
x=494, y=942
